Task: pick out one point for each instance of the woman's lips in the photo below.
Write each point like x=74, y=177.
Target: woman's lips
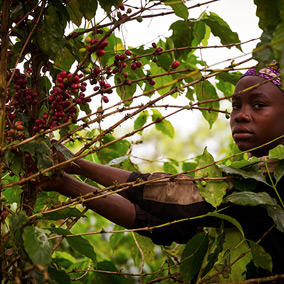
x=242, y=133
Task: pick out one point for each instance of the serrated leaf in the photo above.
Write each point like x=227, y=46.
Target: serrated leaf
x=36, y=245
x=18, y=220
x=78, y=243
x=179, y=8
x=260, y=257
x=214, y=191
x=193, y=255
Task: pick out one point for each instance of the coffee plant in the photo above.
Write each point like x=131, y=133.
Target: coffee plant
x=66, y=68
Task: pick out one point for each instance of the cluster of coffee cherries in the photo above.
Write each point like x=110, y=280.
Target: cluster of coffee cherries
x=24, y=102
x=62, y=103
x=20, y=101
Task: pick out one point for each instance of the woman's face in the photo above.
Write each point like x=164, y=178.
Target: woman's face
x=257, y=116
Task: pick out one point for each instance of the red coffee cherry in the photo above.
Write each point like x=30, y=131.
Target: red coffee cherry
x=175, y=64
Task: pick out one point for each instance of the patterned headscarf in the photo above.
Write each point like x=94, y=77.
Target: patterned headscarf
x=270, y=72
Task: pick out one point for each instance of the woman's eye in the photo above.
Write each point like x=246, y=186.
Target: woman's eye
x=235, y=106
x=258, y=106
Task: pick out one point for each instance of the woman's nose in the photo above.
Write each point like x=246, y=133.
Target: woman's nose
x=243, y=115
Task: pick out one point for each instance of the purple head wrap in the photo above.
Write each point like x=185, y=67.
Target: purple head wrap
x=270, y=72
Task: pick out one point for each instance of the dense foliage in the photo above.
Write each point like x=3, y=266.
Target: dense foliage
x=65, y=68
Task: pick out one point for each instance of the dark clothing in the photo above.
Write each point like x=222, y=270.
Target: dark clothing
x=161, y=203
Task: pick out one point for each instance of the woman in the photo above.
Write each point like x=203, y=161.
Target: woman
x=256, y=119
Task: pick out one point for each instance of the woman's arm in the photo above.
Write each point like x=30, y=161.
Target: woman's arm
x=102, y=174
x=113, y=207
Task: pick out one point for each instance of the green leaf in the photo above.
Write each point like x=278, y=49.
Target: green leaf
x=37, y=245
x=77, y=243
x=115, y=238
x=64, y=58
x=277, y=214
x=64, y=213
x=115, y=150
x=193, y=255
x=222, y=30
x=65, y=152
x=162, y=80
x=50, y=33
x=276, y=153
x=88, y=8
x=74, y=13
x=14, y=161
x=213, y=191
x=228, y=219
x=279, y=171
x=141, y=119
x=164, y=125
x=214, y=251
x=106, y=5
x=263, y=52
x=179, y=8
x=108, y=277
x=247, y=174
x=43, y=161
x=182, y=36
x=18, y=220
x=269, y=15
x=278, y=38
x=42, y=145
x=206, y=91
x=250, y=198
x=201, y=34
x=260, y=257
x=125, y=92
x=189, y=166
x=170, y=168
x=147, y=246
x=58, y=276
x=244, y=184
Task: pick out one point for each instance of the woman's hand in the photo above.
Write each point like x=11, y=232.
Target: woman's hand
x=63, y=154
